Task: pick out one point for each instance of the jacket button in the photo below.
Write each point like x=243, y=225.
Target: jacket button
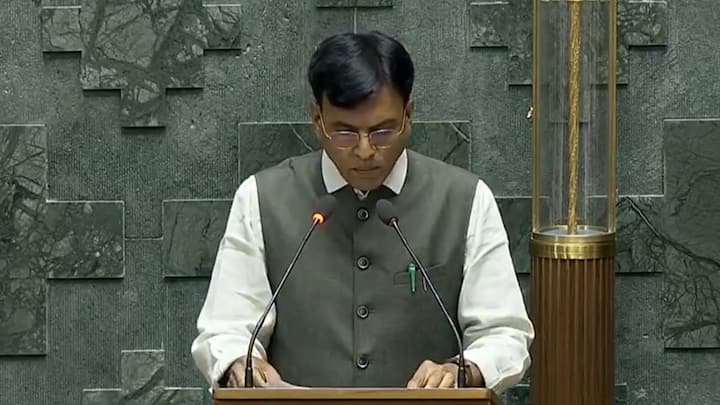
x=363, y=263
x=362, y=362
x=363, y=214
x=362, y=312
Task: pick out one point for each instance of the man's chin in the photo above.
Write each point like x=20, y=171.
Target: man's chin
x=365, y=184
x=366, y=180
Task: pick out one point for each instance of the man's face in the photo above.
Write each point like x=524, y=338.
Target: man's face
x=364, y=165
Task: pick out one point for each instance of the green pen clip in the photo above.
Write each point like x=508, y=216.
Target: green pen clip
x=411, y=271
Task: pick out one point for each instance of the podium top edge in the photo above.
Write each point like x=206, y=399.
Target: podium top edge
x=355, y=393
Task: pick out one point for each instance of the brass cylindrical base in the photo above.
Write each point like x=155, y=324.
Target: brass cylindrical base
x=573, y=313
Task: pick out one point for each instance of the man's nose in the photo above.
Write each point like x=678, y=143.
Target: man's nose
x=364, y=149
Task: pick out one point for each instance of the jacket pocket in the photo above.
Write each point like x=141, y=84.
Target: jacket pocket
x=434, y=272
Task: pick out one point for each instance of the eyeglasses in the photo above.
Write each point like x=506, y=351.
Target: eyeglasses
x=379, y=138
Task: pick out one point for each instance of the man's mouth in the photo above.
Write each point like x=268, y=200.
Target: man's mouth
x=366, y=171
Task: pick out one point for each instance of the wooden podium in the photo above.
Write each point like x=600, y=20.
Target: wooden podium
x=354, y=396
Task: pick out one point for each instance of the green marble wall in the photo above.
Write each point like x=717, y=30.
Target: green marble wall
x=127, y=125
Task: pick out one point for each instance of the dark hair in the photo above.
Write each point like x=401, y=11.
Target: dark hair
x=349, y=68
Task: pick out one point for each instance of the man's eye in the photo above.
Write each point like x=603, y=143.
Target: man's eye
x=382, y=133
x=344, y=134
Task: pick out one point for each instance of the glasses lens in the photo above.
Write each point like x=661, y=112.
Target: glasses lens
x=344, y=139
x=382, y=137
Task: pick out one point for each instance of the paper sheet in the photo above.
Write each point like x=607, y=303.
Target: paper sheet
x=282, y=384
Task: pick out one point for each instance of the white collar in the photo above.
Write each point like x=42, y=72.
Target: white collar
x=394, y=181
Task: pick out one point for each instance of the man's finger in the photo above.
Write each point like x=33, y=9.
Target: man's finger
x=271, y=375
x=420, y=377
x=448, y=380
x=231, y=380
x=434, y=379
x=259, y=378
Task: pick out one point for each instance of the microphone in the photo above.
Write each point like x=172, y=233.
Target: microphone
x=388, y=215
x=325, y=207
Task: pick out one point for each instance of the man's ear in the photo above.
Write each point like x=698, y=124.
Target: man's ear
x=410, y=106
x=314, y=112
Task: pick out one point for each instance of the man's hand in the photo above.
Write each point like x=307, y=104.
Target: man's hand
x=263, y=373
x=434, y=375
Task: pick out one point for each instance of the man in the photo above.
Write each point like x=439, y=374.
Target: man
x=353, y=313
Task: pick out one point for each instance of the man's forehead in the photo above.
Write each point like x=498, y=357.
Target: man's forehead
x=362, y=120
x=376, y=110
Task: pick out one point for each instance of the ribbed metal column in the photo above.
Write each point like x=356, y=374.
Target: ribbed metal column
x=573, y=312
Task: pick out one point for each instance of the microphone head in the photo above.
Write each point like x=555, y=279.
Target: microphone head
x=386, y=212
x=324, y=208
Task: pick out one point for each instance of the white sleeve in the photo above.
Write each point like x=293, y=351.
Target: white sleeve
x=238, y=291
x=497, y=332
